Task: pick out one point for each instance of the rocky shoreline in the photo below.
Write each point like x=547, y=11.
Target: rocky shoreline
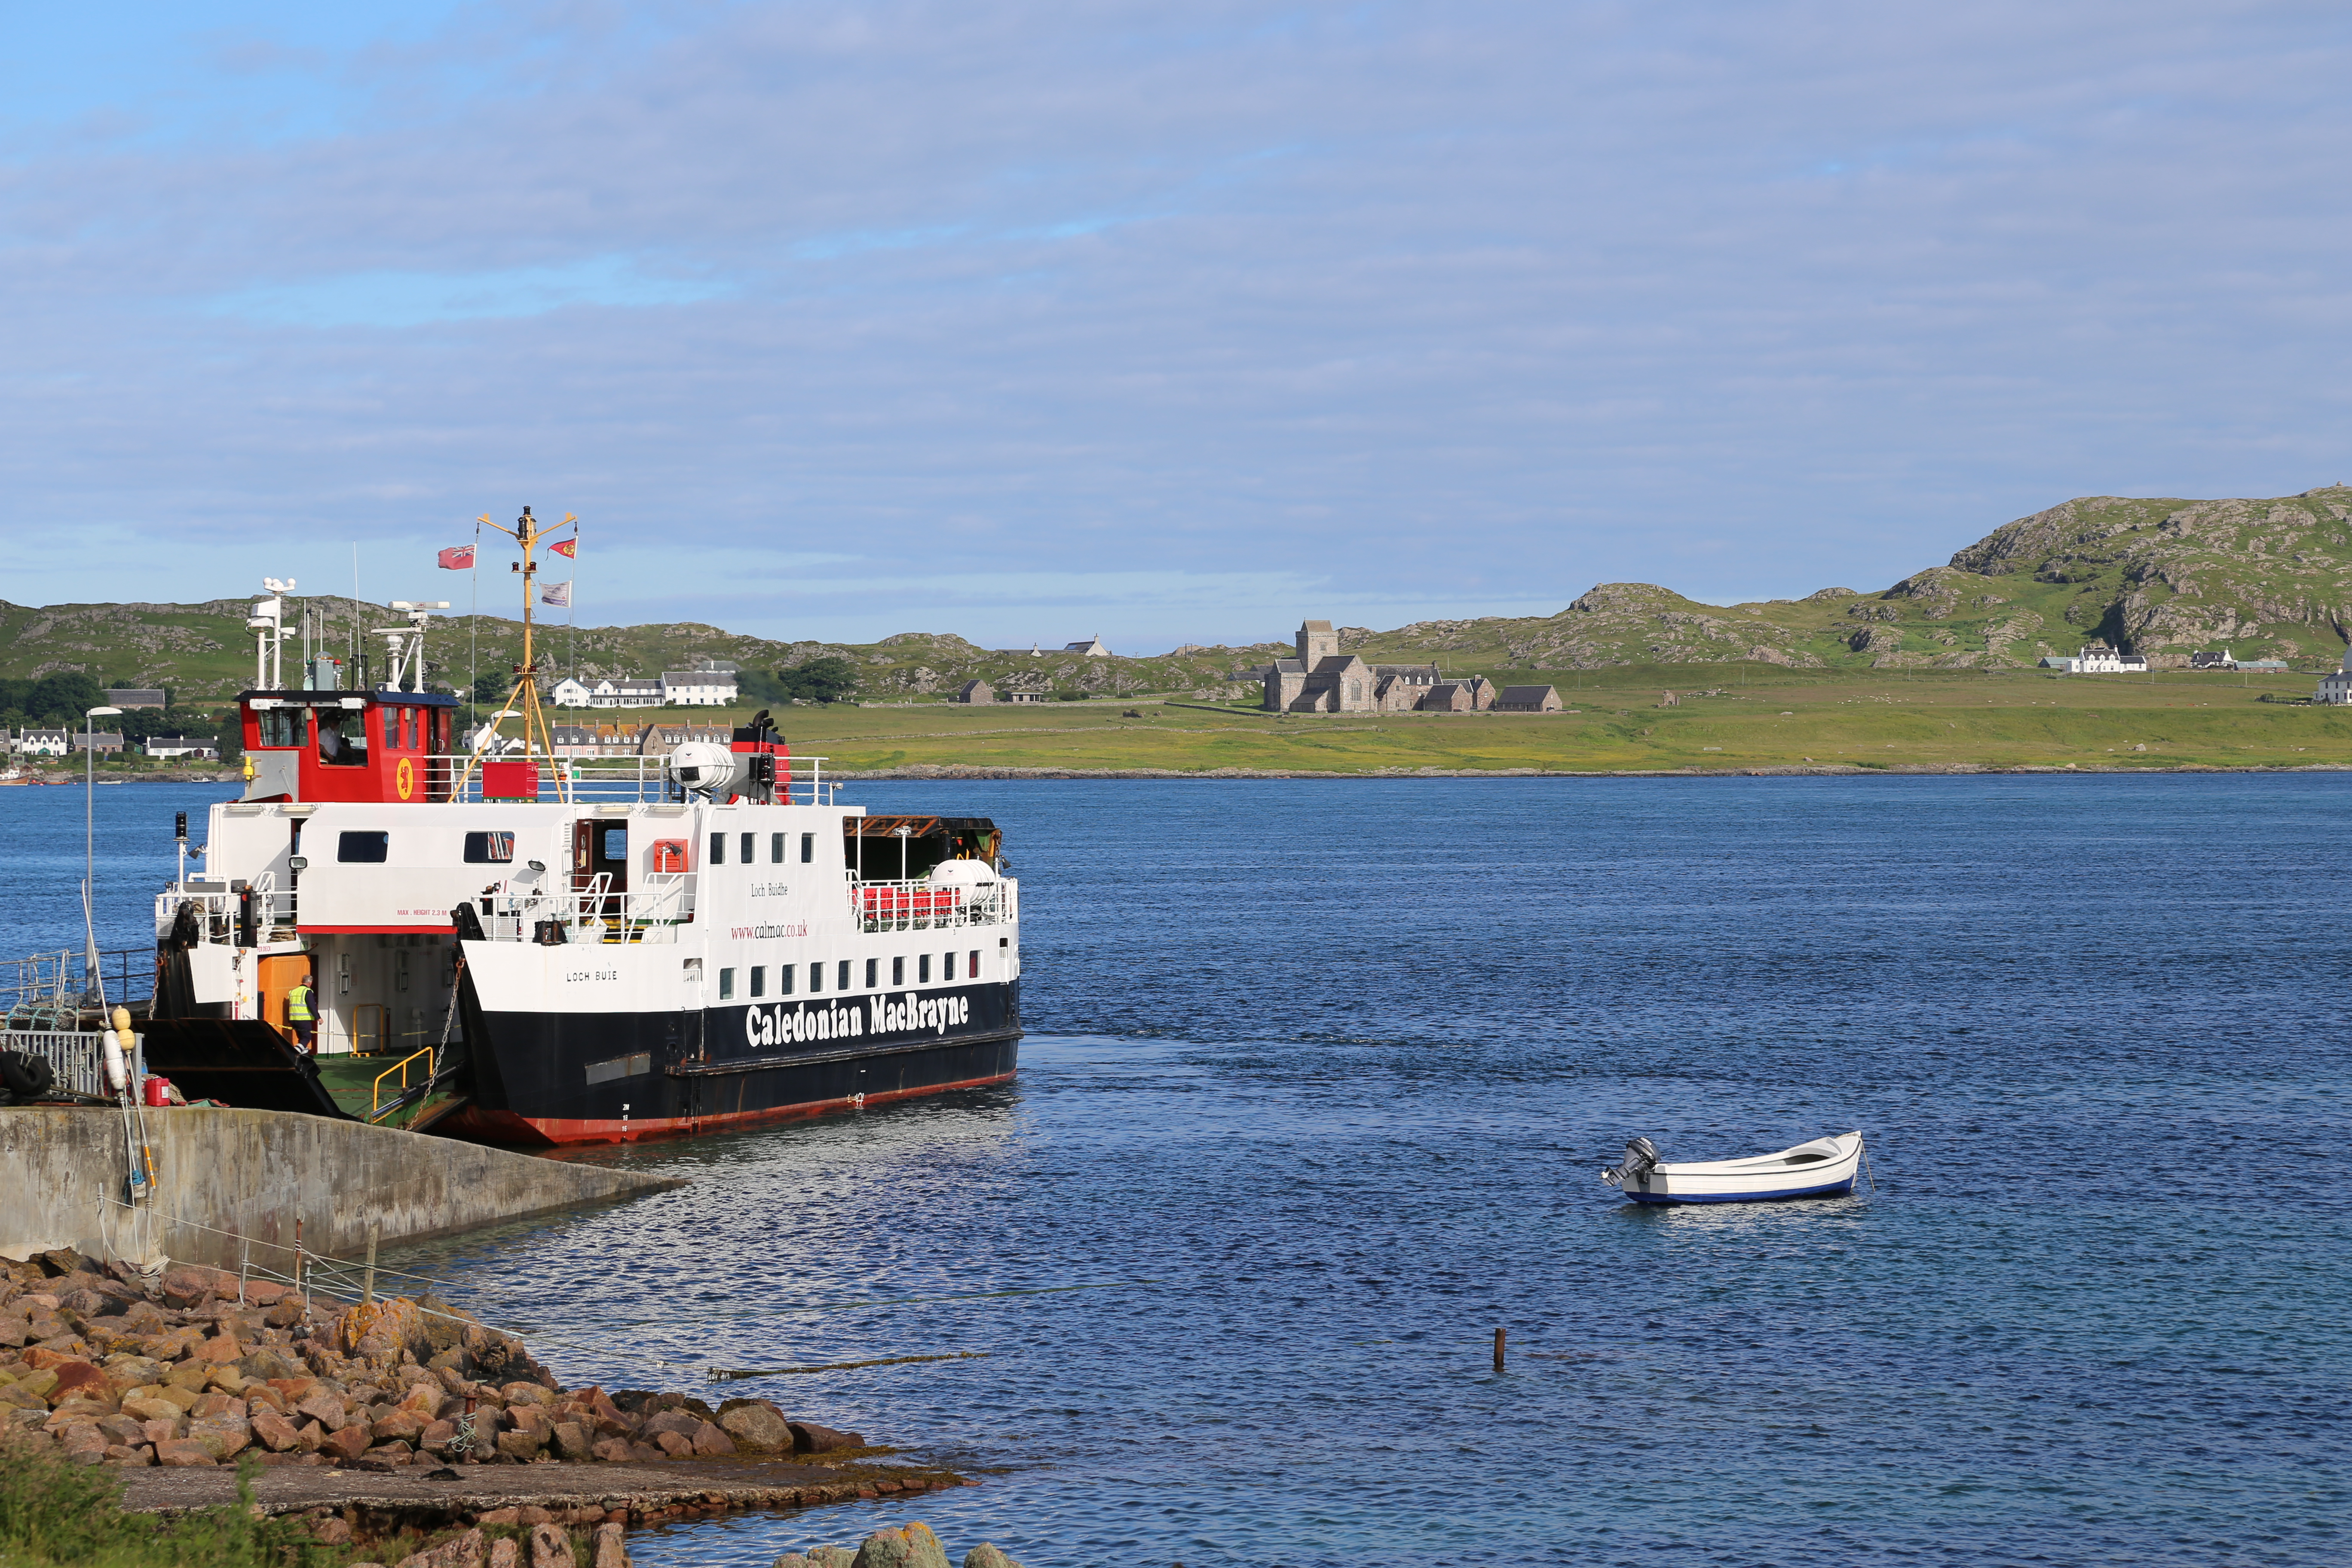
x=385, y=1421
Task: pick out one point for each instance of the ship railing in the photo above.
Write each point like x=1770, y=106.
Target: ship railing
x=593, y=914
x=77, y=1057
x=928, y=906
x=53, y=989
x=800, y=781
x=221, y=910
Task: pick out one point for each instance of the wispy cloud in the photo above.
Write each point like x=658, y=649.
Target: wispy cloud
x=386, y=299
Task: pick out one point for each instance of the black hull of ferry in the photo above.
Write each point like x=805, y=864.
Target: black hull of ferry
x=552, y=1079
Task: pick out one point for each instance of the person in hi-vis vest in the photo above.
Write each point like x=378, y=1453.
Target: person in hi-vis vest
x=299, y=1013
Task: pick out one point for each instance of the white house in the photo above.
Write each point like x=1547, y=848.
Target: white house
x=2335, y=686
x=629, y=692
x=2098, y=658
x=570, y=693
x=42, y=743
x=181, y=746
x=1090, y=649
x=699, y=687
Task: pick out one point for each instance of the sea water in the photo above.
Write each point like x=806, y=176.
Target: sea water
x=1321, y=1078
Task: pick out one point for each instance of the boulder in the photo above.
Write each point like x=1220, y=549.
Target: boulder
x=910, y=1545
x=232, y=1432
x=266, y=1365
x=520, y=1446
x=61, y=1261
x=551, y=1546
x=571, y=1440
x=611, y=1450
x=506, y=1552
x=78, y=1378
x=123, y=1429
x=182, y=1451
x=608, y=1547
x=285, y=1311
x=986, y=1556
x=711, y=1442
x=162, y=1431
x=348, y=1443
x=677, y=1421
x=276, y=1434
x=322, y=1407
x=755, y=1424
x=124, y=1454
x=793, y=1560
x=832, y=1556
x=677, y=1445
x=465, y=1550
x=333, y=1530
x=808, y=1437
x=221, y=1349
x=436, y=1437
x=400, y=1427
x=186, y=1287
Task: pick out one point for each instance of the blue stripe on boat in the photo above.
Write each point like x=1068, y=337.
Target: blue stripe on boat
x=1844, y=1186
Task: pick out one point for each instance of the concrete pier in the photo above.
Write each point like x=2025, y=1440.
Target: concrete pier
x=254, y=1173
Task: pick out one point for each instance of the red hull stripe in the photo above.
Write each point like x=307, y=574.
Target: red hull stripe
x=506, y=1127
x=438, y=928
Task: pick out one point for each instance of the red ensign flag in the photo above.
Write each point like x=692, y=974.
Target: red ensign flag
x=458, y=558
x=569, y=547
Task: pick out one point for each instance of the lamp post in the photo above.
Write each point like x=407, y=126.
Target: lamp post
x=88, y=836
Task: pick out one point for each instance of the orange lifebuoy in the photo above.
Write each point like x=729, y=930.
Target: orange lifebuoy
x=404, y=778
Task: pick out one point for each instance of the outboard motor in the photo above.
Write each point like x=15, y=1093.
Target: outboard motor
x=1641, y=1156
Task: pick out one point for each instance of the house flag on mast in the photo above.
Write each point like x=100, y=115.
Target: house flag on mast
x=457, y=558
x=569, y=549
x=556, y=594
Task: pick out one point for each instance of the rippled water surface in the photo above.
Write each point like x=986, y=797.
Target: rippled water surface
x=1321, y=1078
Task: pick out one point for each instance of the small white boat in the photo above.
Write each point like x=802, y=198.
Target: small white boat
x=1825, y=1167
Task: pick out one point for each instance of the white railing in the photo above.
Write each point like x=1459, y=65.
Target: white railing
x=799, y=781
x=925, y=906
x=219, y=910
x=595, y=914
x=77, y=1057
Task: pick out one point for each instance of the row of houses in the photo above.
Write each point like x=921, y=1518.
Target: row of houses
x=2098, y=658
x=1322, y=679
x=584, y=740
x=706, y=683
x=105, y=742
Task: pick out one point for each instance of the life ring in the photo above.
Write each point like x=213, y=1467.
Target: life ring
x=404, y=778
x=858, y=1100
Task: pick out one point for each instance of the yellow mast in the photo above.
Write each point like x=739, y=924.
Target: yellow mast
x=538, y=736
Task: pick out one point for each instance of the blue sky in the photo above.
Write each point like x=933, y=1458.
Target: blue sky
x=1173, y=324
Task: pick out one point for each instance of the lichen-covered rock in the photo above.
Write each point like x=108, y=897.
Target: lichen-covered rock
x=608, y=1547
x=986, y=1556
x=465, y=1550
x=756, y=1424
x=910, y=1545
x=551, y=1546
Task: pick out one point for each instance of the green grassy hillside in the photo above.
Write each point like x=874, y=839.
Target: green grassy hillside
x=2266, y=578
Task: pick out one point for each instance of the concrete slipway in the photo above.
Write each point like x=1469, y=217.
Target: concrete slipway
x=222, y=1174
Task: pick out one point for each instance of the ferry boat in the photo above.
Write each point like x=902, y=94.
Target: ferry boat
x=547, y=951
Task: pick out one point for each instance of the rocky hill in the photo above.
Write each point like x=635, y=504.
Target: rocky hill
x=2264, y=578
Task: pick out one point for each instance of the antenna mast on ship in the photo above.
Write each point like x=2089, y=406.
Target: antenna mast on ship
x=538, y=736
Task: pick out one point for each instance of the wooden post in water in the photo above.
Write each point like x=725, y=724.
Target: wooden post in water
x=367, y=1279
x=1498, y=1350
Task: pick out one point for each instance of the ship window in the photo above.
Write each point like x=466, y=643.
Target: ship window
x=285, y=726
x=725, y=984
x=368, y=848
x=784, y=980
x=923, y=969
x=897, y=971
x=872, y=964
x=776, y=848
x=816, y=978
x=841, y=977
x=488, y=848
x=343, y=739
x=718, y=848
x=759, y=980
x=616, y=844
x=808, y=848
x=750, y=849
x=973, y=972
